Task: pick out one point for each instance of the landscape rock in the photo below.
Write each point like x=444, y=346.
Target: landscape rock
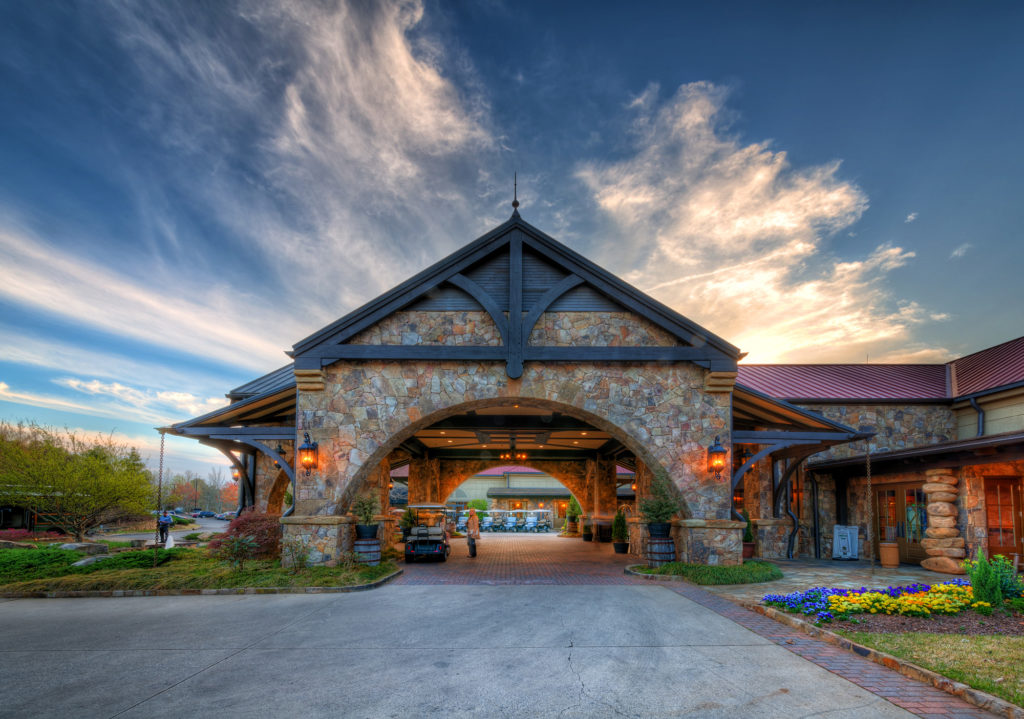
x=942, y=497
x=942, y=532
x=942, y=521
x=90, y=560
x=941, y=475
x=942, y=509
x=87, y=547
x=5, y=544
x=946, y=565
x=932, y=543
x=930, y=487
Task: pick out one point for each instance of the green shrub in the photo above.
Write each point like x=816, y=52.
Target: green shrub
x=264, y=529
x=619, y=531
x=192, y=536
x=984, y=580
x=574, y=511
x=1016, y=604
x=1009, y=581
x=748, y=531
x=749, y=572
x=237, y=549
x=480, y=505
x=409, y=518
x=663, y=503
x=365, y=508
x=17, y=565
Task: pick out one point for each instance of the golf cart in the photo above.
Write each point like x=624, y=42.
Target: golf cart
x=425, y=541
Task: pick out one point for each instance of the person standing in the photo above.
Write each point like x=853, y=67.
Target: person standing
x=163, y=523
x=472, y=532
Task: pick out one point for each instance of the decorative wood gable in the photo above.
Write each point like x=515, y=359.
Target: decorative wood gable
x=515, y=274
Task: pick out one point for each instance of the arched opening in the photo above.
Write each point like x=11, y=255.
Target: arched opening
x=278, y=490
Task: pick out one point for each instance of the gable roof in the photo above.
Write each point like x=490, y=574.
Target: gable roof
x=982, y=372
x=516, y=230
x=808, y=382
x=990, y=368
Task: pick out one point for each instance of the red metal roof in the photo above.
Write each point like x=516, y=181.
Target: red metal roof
x=989, y=368
x=846, y=381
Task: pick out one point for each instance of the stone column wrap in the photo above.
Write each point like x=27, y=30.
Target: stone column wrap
x=943, y=543
x=325, y=536
x=709, y=541
x=771, y=537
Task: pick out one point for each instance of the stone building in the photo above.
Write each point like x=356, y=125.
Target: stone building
x=517, y=350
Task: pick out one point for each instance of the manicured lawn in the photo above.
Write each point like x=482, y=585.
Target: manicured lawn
x=749, y=572
x=26, y=570
x=994, y=664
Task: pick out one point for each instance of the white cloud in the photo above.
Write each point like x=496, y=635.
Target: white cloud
x=146, y=401
x=960, y=251
x=731, y=235
x=911, y=217
x=206, y=320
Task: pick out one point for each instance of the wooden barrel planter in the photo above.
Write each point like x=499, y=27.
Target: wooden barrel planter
x=368, y=551
x=660, y=550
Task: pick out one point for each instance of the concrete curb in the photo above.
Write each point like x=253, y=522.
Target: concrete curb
x=201, y=592
x=978, y=698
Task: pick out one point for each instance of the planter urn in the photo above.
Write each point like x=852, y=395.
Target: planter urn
x=621, y=547
x=889, y=554
x=748, y=550
x=660, y=529
x=366, y=531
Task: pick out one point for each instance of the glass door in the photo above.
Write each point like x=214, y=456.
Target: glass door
x=901, y=518
x=1003, y=515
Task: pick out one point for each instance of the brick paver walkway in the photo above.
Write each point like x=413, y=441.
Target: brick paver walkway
x=548, y=559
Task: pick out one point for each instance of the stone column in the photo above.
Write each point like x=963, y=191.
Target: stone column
x=424, y=480
x=709, y=541
x=943, y=542
x=323, y=538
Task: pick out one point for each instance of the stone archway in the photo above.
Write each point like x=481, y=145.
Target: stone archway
x=275, y=498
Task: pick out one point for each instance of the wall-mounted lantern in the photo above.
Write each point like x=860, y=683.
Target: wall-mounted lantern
x=716, y=458
x=308, y=454
x=235, y=474
x=280, y=452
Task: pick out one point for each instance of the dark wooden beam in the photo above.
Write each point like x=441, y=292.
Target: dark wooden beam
x=239, y=433
x=532, y=455
x=545, y=300
x=771, y=436
x=478, y=293
x=514, y=366
x=513, y=423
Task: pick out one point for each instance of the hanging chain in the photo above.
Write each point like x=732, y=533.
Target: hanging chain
x=159, y=498
x=871, y=505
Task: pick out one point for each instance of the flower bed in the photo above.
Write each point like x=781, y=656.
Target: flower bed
x=915, y=600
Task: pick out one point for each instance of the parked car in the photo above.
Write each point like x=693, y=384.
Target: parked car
x=207, y=513
x=227, y=516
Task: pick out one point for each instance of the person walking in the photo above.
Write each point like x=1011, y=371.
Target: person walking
x=163, y=523
x=472, y=532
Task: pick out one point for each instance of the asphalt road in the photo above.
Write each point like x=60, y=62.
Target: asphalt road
x=207, y=524
x=407, y=651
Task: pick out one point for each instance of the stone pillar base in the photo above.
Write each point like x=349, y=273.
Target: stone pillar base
x=324, y=538
x=772, y=537
x=709, y=541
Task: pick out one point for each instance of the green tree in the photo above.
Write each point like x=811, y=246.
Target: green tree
x=574, y=511
x=78, y=483
x=480, y=505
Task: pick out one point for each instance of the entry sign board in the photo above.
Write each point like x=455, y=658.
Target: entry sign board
x=844, y=542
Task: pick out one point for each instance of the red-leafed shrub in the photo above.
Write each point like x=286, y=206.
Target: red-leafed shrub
x=264, y=529
x=25, y=535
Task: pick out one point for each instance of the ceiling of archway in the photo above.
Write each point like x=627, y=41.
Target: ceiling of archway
x=538, y=432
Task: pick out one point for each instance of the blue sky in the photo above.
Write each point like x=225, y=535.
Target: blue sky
x=190, y=188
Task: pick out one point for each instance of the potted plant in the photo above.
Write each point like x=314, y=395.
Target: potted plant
x=407, y=521
x=365, y=508
x=572, y=514
x=889, y=550
x=588, y=532
x=620, y=536
x=748, y=537
x=659, y=508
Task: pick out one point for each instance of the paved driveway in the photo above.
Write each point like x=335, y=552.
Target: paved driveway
x=407, y=651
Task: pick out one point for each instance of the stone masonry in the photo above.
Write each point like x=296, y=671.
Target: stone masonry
x=660, y=411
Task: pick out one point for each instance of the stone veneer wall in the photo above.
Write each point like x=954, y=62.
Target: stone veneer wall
x=896, y=426
x=661, y=411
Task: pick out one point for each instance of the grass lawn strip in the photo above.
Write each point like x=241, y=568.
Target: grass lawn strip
x=750, y=572
x=994, y=664
x=181, y=569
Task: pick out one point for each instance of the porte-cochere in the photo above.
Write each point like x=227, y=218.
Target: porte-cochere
x=513, y=344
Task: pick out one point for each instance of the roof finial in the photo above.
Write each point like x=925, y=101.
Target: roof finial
x=515, y=194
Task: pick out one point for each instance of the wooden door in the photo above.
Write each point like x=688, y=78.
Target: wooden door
x=900, y=517
x=1003, y=515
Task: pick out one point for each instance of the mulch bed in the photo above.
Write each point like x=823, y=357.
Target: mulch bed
x=962, y=623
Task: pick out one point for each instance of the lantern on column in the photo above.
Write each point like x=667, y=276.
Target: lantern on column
x=235, y=474
x=308, y=454
x=716, y=458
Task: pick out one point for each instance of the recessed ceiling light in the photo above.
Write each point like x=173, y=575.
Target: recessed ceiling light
x=515, y=406
x=575, y=441
x=583, y=433
x=443, y=432
x=449, y=441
